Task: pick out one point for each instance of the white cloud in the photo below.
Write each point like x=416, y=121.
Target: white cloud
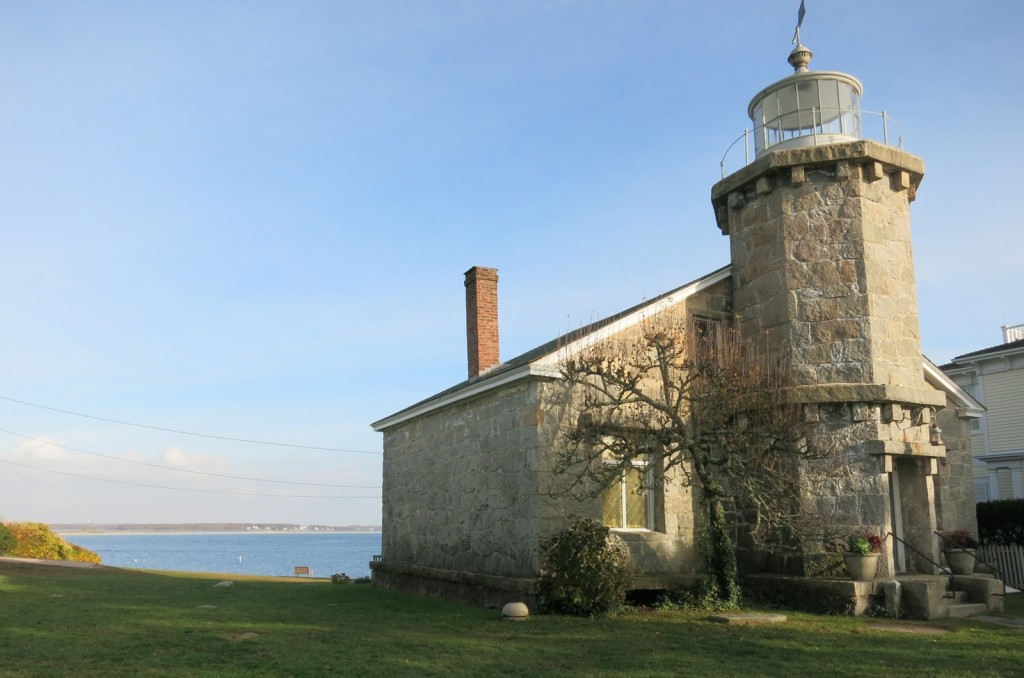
x=175, y=456
x=39, y=448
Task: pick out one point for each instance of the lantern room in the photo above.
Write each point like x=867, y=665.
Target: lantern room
x=809, y=108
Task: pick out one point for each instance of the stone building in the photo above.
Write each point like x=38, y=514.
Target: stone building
x=820, y=239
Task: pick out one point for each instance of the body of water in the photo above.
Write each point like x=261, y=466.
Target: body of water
x=264, y=553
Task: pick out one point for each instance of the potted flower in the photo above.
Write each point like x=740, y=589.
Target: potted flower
x=959, y=551
x=861, y=556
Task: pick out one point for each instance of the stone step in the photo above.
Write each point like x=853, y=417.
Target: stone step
x=966, y=609
x=958, y=596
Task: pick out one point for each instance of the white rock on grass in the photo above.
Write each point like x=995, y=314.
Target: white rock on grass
x=515, y=612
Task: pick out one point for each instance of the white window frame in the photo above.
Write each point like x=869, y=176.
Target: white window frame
x=621, y=485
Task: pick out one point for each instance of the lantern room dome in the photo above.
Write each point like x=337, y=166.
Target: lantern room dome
x=808, y=108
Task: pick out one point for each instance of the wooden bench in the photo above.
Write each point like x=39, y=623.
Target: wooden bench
x=303, y=569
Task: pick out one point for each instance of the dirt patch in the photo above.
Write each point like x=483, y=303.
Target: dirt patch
x=910, y=628
x=246, y=635
x=1011, y=622
x=747, y=618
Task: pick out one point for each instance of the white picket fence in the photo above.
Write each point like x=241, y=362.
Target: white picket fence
x=1009, y=560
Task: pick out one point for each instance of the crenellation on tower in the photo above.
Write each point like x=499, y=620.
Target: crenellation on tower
x=826, y=262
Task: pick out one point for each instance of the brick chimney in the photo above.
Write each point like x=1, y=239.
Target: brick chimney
x=482, y=319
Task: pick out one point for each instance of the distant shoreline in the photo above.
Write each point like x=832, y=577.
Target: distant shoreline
x=210, y=528
x=76, y=533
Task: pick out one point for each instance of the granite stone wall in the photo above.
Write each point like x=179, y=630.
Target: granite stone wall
x=957, y=508
x=460, y=485
x=471, y=490
x=822, y=261
x=823, y=268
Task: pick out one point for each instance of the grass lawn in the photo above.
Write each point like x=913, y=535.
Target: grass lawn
x=102, y=622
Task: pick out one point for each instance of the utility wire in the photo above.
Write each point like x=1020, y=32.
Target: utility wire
x=186, y=433
x=186, y=489
x=184, y=470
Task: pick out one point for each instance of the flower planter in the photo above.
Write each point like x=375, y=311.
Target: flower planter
x=961, y=561
x=861, y=567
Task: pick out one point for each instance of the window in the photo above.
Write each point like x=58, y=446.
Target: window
x=1004, y=481
x=627, y=501
x=707, y=336
x=974, y=422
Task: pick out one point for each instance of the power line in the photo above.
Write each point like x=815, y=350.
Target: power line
x=183, y=470
x=185, y=489
x=186, y=433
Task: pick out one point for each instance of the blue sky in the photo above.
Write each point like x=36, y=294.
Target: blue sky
x=251, y=219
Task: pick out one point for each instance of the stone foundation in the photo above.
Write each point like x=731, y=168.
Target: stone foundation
x=907, y=596
x=466, y=587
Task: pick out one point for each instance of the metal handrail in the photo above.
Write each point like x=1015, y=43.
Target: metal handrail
x=948, y=572
x=746, y=150
x=973, y=554
x=747, y=134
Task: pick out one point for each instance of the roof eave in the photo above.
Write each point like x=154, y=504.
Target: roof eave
x=546, y=365
x=966, y=404
x=530, y=371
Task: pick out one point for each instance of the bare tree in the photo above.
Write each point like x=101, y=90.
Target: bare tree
x=717, y=412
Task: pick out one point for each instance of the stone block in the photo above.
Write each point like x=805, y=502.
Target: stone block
x=900, y=181
x=892, y=412
x=893, y=595
x=873, y=171
x=807, y=249
x=797, y=176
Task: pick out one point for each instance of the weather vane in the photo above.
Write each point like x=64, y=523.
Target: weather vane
x=799, y=21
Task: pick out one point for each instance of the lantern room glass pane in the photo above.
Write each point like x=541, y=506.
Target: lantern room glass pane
x=771, y=108
x=759, y=137
x=828, y=96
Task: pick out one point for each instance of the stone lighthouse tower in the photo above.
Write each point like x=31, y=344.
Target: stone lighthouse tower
x=819, y=229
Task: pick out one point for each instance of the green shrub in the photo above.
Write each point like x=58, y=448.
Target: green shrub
x=8, y=542
x=1001, y=522
x=703, y=594
x=581, y=572
x=37, y=540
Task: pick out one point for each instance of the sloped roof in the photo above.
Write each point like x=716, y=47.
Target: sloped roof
x=1009, y=347
x=540, y=361
x=966, y=404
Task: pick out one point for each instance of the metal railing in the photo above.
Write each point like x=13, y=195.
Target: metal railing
x=816, y=130
x=948, y=571
x=945, y=570
x=974, y=554
x=1012, y=333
